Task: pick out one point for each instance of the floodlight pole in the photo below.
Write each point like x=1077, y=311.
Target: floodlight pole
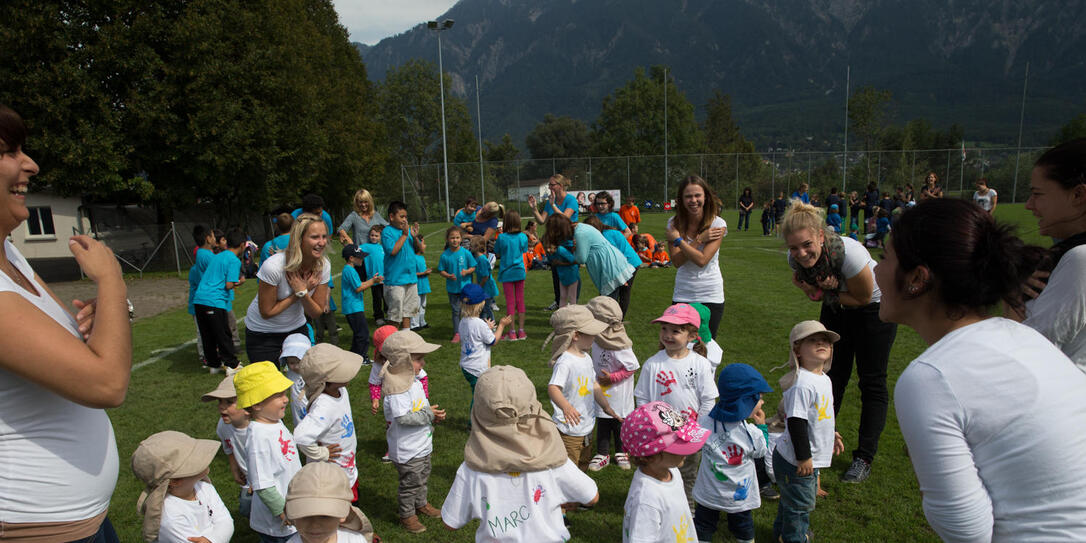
x=479, y=118
x=445, y=25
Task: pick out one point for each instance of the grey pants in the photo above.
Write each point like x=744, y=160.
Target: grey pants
x=689, y=471
x=414, y=475
x=233, y=322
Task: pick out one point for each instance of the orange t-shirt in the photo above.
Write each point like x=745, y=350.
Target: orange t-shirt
x=661, y=257
x=630, y=214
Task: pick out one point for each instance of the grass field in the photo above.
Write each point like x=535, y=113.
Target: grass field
x=760, y=310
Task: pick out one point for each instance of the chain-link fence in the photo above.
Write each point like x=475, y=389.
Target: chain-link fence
x=654, y=178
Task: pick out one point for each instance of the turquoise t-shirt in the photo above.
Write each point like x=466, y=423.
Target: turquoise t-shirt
x=619, y=241
x=224, y=268
x=567, y=275
x=424, y=280
x=463, y=216
x=324, y=215
x=399, y=267
x=484, y=276
x=510, y=249
x=352, y=301
x=375, y=259
x=613, y=220
x=454, y=261
x=196, y=272
x=569, y=202
x=276, y=244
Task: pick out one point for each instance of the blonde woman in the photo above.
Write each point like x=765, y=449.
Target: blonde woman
x=356, y=227
x=293, y=284
x=559, y=201
x=485, y=222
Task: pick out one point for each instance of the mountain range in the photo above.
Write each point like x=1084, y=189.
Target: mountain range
x=783, y=62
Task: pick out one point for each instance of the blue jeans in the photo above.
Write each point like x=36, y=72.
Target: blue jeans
x=741, y=525
x=105, y=534
x=797, y=501
x=744, y=218
x=245, y=502
x=454, y=304
x=488, y=312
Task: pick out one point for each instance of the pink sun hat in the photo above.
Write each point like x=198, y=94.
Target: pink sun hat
x=681, y=314
x=657, y=427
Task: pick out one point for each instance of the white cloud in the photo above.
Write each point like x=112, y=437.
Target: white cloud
x=370, y=21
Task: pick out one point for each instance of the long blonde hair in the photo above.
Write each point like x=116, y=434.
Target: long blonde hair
x=294, y=248
x=363, y=195
x=801, y=216
x=492, y=209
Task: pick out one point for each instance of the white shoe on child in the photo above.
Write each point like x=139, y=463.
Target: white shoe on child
x=623, y=461
x=599, y=462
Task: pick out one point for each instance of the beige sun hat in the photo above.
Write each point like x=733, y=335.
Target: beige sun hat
x=398, y=373
x=159, y=458
x=325, y=363
x=224, y=391
x=613, y=338
x=567, y=320
x=323, y=489
x=509, y=429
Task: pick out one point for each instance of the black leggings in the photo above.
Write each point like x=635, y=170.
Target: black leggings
x=267, y=346
x=606, y=429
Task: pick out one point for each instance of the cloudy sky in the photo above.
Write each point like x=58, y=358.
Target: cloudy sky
x=369, y=21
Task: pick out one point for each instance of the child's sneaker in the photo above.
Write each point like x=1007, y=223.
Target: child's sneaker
x=510, y=336
x=522, y=335
x=623, y=461
x=456, y=338
x=385, y=459
x=599, y=462
x=214, y=370
x=231, y=371
x=768, y=492
x=412, y=524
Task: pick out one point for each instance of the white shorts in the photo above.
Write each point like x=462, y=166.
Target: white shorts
x=401, y=301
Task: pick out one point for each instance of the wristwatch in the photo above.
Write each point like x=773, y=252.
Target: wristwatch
x=677, y=242
x=302, y=293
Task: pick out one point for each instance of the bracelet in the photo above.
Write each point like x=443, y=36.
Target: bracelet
x=677, y=242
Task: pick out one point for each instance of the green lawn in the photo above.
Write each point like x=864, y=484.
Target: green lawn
x=760, y=310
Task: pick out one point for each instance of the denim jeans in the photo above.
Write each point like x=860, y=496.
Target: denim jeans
x=105, y=534
x=360, y=333
x=741, y=525
x=454, y=304
x=744, y=218
x=245, y=502
x=797, y=501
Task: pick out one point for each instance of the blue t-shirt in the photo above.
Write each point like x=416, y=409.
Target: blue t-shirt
x=277, y=244
x=619, y=241
x=455, y=260
x=196, y=272
x=484, y=276
x=224, y=268
x=331, y=295
x=833, y=220
x=324, y=215
x=613, y=220
x=352, y=301
x=567, y=275
x=882, y=225
x=805, y=197
x=424, y=280
x=375, y=259
x=399, y=268
x=569, y=202
x=464, y=216
x=480, y=228
x=510, y=249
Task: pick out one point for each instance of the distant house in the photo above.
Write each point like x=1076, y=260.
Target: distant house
x=43, y=238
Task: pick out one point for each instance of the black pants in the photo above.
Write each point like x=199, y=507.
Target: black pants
x=868, y=340
x=741, y=525
x=605, y=430
x=716, y=312
x=360, y=333
x=267, y=346
x=624, y=294
x=215, y=332
x=377, y=292
x=554, y=283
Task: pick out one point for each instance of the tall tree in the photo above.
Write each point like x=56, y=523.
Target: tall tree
x=867, y=114
x=1074, y=129
x=631, y=120
x=722, y=136
x=558, y=137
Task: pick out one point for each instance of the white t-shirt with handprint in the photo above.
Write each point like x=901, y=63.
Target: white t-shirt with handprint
x=727, y=480
x=685, y=384
x=407, y=442
x=576, y=377
x=810, y=399
x=620, y=396
x=329, y=422
x=657, y=511
x=273, y=461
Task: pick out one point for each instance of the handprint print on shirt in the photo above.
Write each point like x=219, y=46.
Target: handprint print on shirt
x=582, y=387
x=417, y=406
x=665, y=378
x=606, y=389
x=348, y=427
x=742, y=490
x=286, y=446
x=682, y=533
x=824, y=408
x=347, y=461
x=718, y=471
x=734, y=455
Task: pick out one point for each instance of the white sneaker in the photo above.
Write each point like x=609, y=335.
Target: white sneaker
x=599, y=462
x=213, y=370
x=231, y=371
x=623, y=461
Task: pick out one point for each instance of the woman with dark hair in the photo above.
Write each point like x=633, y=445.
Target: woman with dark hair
x=931, y=188
x=59, y=372
x=606, y=265
x=835, y=270
x=746, y=205
x=694, y=236
x=869, y=205
x=1058, y=200
x=605, y=212
x=976, y=407
x=618, y=241
x=558, y=201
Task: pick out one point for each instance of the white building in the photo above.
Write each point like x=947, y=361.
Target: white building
x=43, y=238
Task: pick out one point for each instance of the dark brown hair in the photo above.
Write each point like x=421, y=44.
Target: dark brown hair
x=709, y=212
x=511, y=224
x=1064, y=163
x=557, y=229
x=12, y=130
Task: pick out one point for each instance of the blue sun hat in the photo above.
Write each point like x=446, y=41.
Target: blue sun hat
x=739, y=386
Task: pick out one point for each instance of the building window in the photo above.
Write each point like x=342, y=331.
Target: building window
x=41, y=222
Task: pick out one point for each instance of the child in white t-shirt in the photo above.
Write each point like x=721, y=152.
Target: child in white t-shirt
x=319, y=505
x=233, y=432
x=573, y=384
x=327, y=432
x=727, y=479
x=178, y=503
x=515, y=476
x=679, y=376
x=477, y=336
x=273, y=457
x=294, y=348
x=615, y=363
x=659, y=439
x=411, y=418
x=810, y=440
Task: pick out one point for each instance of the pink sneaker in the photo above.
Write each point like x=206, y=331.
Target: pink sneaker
x=521, y=334
x=510, y=336
x=456, y=338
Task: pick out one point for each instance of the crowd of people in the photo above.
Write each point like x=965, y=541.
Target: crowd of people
x=973, y=407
